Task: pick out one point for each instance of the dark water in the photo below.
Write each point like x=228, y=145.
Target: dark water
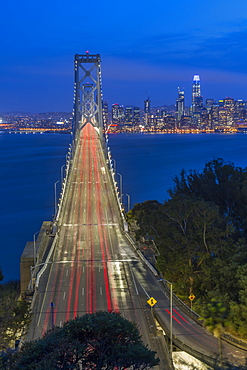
x=29, y=167
x=149, y=162
x=31, y=164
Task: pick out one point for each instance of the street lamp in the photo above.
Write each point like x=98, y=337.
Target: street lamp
x=170, y=315
x=62, y=173
x=55, y=196
x=128, y=196
x=114, y=164
x=34, y=247
x=121, y=186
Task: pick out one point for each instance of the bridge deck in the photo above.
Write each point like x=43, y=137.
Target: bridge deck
x=94, y=268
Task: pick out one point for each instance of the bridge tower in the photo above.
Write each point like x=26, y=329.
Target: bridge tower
x=87, y=93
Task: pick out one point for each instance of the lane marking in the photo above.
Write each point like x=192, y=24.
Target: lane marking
x=134, y=280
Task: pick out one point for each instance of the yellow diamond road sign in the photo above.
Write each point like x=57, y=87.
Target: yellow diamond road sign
x=152, y=301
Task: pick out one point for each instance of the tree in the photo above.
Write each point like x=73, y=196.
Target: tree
x=214, y=317
x=193, y=233
x=14, y=313
x=221, y=183
x=100, y=340
x=238, y=309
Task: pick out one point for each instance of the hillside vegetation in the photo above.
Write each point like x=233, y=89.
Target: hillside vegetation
x=201, y=235
x=15, y=314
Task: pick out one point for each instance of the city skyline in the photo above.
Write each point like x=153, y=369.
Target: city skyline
x=146, y=51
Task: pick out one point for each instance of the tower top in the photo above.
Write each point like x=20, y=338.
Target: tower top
x=196, y=78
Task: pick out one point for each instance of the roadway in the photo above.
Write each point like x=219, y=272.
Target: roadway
x=93, y=267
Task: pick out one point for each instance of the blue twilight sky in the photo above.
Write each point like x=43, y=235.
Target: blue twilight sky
x=146, y=47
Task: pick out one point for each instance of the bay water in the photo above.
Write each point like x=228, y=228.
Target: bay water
x=31, y=164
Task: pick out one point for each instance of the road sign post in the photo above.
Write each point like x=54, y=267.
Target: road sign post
x=191, y=297
x=152, y=301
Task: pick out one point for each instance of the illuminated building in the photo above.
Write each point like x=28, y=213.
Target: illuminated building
x=239, y=110
x=179, y=105
x=185, y=122
x=151, y=120
x=229, y=105
x=159, y=118
x=204, y=124
x=147, y=104
x=136, y=116
x=116, y=116
x=128, y=116
x=169, y=121
x=196, y=92
x=223, y=117
x=214, y=116
x=209, y=103
x=197, y=101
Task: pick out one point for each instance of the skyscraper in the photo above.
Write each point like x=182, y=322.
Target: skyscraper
x=196, y=92
x=229, y=105
x=117, y=114
x=147, y=103
x=240, y=109
x=137, y=116
x=179, y=105
x=128, y=116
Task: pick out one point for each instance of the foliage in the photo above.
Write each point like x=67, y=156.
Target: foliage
x=214, y=316
x=188, y=232
x=101, y=340
x=238, y=308
x=221, y=183
x=201, y=235
x=14, y=313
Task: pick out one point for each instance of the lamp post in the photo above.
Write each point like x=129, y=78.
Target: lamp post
x=34, y=247
x=114, y=164
x=170, y=315
x=55, y=196
x=62, y=173
x=128, y=196
x=121, y=186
